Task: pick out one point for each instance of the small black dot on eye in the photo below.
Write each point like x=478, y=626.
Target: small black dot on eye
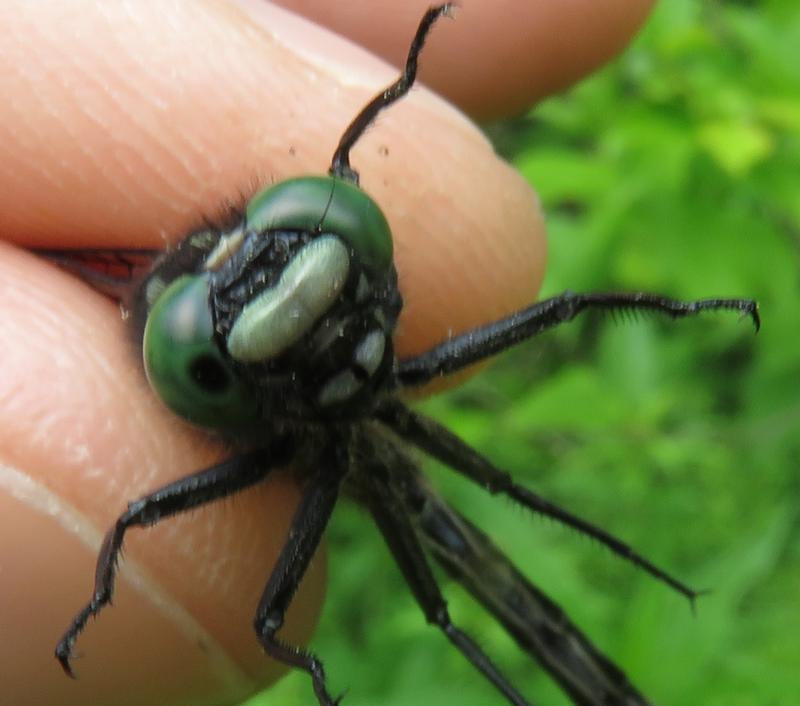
x=209, y=374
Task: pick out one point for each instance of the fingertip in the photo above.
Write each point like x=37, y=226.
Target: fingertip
x=496, y=59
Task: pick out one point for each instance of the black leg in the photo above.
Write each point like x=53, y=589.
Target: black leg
x=197, y=489
x=485, y=341
x=442, y=444
x=305, y=533
x=534, y=621
x=391, y=517
x=340, y=164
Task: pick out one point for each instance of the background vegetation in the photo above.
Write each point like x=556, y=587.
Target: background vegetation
x=675, y=170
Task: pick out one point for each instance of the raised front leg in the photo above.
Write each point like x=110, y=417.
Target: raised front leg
x=485, y=341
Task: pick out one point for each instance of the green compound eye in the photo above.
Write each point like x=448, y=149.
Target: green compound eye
x=184, y=364
x=327, y=205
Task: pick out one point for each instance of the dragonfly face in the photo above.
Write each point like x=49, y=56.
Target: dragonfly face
x=278, y=334
x=288, y=316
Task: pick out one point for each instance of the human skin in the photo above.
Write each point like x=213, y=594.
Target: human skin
x=124, y=124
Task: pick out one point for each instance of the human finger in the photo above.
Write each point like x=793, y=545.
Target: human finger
x=506, y=54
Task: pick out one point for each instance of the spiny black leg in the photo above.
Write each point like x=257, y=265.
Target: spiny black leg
x=391, y=517
x=197, y=489
x=305, y=533
x=536, y=623
x=442, y=444
x=340, y=164
x=485, y=341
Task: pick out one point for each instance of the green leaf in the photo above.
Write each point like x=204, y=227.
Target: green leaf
x=736, y=146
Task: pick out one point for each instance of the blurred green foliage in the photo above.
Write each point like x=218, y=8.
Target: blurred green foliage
x=675, y=170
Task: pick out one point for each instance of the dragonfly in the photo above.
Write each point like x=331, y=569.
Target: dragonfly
x=276, y=335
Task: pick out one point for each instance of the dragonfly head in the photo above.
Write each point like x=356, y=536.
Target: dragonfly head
x=289, y=314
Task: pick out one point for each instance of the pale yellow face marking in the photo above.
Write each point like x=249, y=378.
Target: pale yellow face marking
x=283, y=314
x=369, y=353
x=226, y=248
x=339, y=388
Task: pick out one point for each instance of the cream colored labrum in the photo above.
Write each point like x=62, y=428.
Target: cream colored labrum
x=281, y=315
